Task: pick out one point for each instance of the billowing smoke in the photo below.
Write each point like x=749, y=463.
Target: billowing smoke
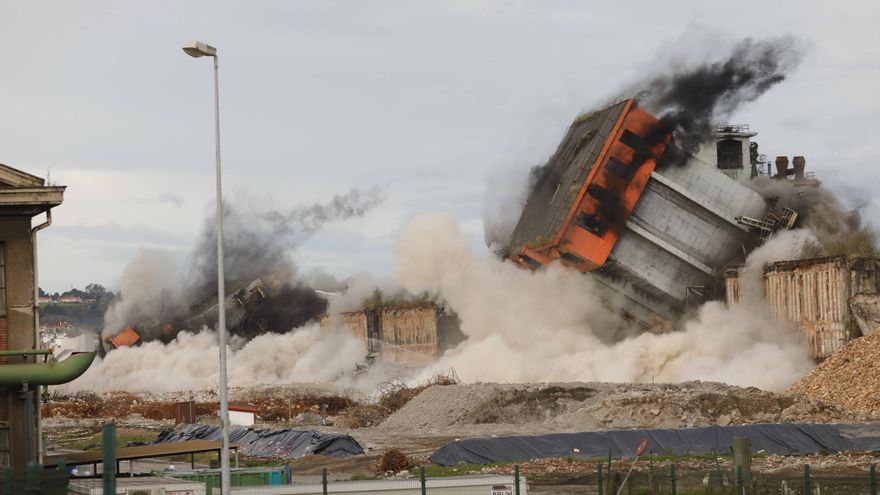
x=150, y=294
x=160, y=300
x=838, y=231
x=258, y=242
x=689, y=101
x=189, y=362
x=538, y=325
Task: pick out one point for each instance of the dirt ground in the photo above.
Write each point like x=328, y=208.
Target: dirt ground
x=417, y=421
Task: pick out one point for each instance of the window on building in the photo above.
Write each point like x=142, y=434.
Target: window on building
x=592, y=224
x=730, y=154
x=631, y=139
x=619, y=168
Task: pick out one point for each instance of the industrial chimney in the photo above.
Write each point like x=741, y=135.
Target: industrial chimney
x=781, y=167
x=799, y=164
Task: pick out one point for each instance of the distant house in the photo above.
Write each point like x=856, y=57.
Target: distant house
x=71, y=299
x=46, y=300
x=242, y=415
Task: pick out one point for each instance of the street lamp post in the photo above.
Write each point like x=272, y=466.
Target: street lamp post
x=198, y=49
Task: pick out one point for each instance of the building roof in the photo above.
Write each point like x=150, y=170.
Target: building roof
x=23, y=194
x=139, y=452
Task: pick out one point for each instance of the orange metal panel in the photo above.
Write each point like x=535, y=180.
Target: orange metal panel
x=126, y=338
x=605, y=201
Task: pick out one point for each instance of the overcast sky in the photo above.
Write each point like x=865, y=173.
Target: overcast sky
x=425, y=100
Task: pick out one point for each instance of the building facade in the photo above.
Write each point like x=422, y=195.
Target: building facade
x=22, y=197
x=833, y=300
x=404, y=334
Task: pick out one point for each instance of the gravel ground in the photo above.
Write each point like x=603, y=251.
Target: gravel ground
x=491, y=408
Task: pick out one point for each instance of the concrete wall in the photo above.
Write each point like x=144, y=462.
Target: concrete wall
x=18, y=318
x=403, y=334
x=408, y=335
x=681, y=234
x=818, y=296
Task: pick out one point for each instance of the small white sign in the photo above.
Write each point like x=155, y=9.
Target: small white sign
x=502, y=490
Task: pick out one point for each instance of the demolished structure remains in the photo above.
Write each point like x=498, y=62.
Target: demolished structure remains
x=657, y=236
x=665, y=238
x=412, y=334
x=833, y=299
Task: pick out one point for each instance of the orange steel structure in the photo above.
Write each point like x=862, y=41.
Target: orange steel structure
x=605, y=200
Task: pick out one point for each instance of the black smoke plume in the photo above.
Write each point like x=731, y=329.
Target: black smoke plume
x=689, y=103
x=257, y=243
x=257, y=247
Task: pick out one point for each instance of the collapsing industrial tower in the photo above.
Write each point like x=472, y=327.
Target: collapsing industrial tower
x=656, y=227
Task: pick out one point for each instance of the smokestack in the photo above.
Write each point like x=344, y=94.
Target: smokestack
x=781, y=167
x=799, y=164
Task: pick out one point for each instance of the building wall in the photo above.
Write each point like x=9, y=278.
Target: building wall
x=682, y=233
x=817, y=295
x=355, y=322
x=403, y=334
x=409, y=335
x=18, y=320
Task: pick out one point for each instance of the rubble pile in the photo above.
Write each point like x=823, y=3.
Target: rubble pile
x=489, y=408
x=82, y=405
x=849, y=378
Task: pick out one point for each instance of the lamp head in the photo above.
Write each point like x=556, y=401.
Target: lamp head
x=198, y=49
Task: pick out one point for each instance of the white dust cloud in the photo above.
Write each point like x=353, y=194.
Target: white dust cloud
x=190, y=362
x=538, y=326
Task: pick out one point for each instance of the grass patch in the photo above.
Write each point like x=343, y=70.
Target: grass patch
x=123, y=438
x=434, y=471
x=363, y=477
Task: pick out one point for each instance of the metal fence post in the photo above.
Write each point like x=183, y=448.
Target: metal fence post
x=609, y=478
x=873, y=479
x=740, y=482
x=324, y=480
x=516, y=477
x=109, y=466
x=7, y=481
x=32, y=479
x=808, y=483
x=599, y=483
x=422, y=480
x=672, y=479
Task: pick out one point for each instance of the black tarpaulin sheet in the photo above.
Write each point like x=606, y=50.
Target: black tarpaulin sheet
x=283, y=444
x=785, y=438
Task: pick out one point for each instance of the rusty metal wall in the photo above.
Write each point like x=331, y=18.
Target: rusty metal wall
x=409, y=335
x=355, y=321
x=731, y=287
x=405, y=334
x=816, y=295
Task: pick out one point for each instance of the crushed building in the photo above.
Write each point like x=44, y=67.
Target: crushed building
x=658, y=238
x=404, y=334
x=833, y=300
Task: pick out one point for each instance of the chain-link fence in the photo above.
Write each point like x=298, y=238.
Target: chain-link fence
x=207, y=483
x=857, y=480
x=716, y=481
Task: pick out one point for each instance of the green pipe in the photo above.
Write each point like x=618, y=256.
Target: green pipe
x=46, y=373
x=26, y=352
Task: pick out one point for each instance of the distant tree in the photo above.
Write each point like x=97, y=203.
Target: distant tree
x=95, y=291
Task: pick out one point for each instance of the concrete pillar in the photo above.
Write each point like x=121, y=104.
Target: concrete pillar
x=742, y=457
